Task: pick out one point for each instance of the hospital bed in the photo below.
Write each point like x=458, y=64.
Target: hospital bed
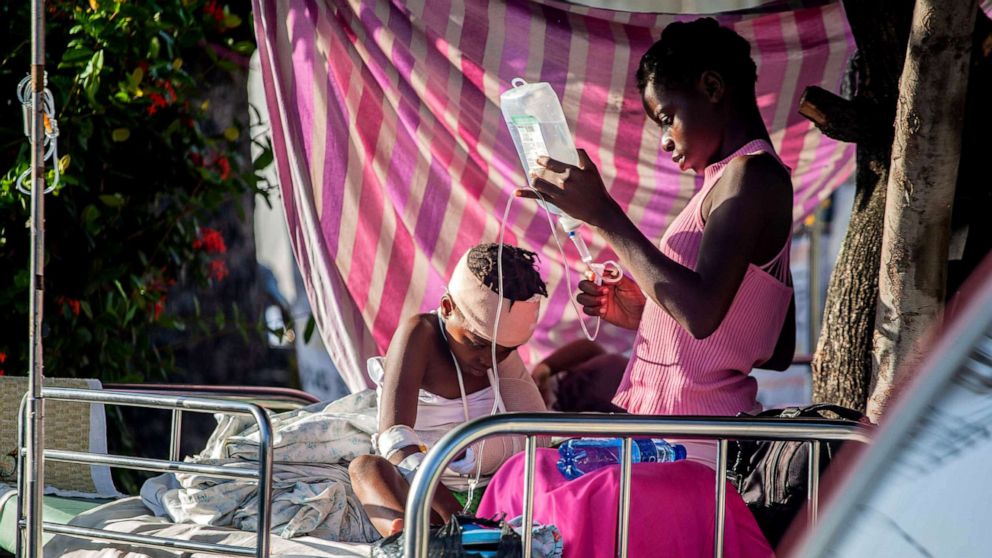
x=125, y=521
x=122, y=526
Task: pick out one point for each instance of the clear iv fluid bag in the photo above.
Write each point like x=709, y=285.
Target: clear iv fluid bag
x=537, y=125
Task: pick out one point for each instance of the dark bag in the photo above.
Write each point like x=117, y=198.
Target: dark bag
x=771, y=476
x=447, y=541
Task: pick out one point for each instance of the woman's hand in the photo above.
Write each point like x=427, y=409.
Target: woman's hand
x=620, y=303
x=576, y=190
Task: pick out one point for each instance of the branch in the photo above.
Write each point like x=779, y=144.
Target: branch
x=983, y=36
x=835, y=116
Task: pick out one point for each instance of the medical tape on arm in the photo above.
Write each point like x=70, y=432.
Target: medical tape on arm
x=408, y=467
x=395, y=438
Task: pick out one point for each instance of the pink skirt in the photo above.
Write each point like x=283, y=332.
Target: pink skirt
x=671, y=509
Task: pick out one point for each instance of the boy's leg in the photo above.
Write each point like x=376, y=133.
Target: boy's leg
x=383, y=492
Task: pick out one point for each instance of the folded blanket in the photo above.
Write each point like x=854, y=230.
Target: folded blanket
x=311, y=490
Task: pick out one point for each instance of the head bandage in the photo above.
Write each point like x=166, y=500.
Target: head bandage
x=477, y=304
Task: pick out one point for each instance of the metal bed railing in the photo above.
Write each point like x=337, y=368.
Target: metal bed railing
x=273, y=398
x=178, y=404
x=532, y=425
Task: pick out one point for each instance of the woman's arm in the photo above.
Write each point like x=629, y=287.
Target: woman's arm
x=406, y=362
x=745, y=202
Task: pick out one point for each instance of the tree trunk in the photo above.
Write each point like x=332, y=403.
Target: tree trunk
x=920, y=192
x=842, y=364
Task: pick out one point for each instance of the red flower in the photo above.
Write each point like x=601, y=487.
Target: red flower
x=72, y=303
x=158, y=308
x=170, y=91
x=213, y=10
x=196, y=158
x=143, y=65
x=158, y=101
x=218, y=270
x=210, y=241
x=3, y=357
x=225, y=167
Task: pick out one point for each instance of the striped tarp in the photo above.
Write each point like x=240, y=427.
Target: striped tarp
x=394, y=159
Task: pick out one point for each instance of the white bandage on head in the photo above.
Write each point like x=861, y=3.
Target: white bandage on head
x=395, y=438
x=478, y=303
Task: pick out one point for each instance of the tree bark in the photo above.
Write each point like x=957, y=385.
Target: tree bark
x=842, y=363
x=922, y=177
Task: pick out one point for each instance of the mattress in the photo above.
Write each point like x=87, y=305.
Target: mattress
x=129, y=515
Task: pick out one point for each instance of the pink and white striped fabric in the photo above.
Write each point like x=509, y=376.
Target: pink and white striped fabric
x=394, y=159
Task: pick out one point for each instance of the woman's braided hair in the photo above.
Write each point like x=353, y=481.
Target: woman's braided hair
x=521, y=280
x=687, y=49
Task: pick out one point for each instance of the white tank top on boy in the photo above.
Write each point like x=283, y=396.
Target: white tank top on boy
x=436, y=415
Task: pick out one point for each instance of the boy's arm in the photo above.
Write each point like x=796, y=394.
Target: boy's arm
x=576, y=352
x=406, y=362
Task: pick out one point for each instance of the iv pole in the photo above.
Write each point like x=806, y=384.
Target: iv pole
x=35, y=465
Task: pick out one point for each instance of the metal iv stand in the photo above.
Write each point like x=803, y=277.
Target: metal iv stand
x=32, y=499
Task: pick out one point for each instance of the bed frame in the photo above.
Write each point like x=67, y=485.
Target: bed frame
x=239, y=400
x=250, y=402
x=532, y=425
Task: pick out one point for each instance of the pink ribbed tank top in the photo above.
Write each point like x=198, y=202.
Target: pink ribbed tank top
x=672, y=373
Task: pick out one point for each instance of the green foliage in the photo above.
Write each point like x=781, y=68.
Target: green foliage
x=143, y=168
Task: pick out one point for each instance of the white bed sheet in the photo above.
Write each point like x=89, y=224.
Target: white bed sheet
x=130, y=515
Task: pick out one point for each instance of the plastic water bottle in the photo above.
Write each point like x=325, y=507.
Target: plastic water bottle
x=579, y=456
x=537, y=125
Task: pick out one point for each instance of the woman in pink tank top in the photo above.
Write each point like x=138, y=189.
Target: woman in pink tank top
x=711, y=302
x=714, y=299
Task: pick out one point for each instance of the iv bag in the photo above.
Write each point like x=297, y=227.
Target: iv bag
x=537, y=125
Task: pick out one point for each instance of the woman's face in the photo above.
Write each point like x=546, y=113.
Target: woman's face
x=691, y=125
x=473, y=352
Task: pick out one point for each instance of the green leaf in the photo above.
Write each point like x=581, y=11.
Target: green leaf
x=263, y=160
x=120, y=288
x=91, y=213
x=75, y=56
x=308, y=331
x=154, y=46
x=120, y=134
x=231, y=21
x=219, y=319
x=115, y=200
x=136, y=76
x=90, y=76
x=84, y=335
x=244, y=47
x=130, y=314
x=85, y=307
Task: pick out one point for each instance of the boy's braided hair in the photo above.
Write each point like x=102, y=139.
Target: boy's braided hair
x=687, y=49
x=521, y=280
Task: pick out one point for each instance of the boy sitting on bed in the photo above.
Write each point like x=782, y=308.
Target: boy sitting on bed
x=437, y=374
